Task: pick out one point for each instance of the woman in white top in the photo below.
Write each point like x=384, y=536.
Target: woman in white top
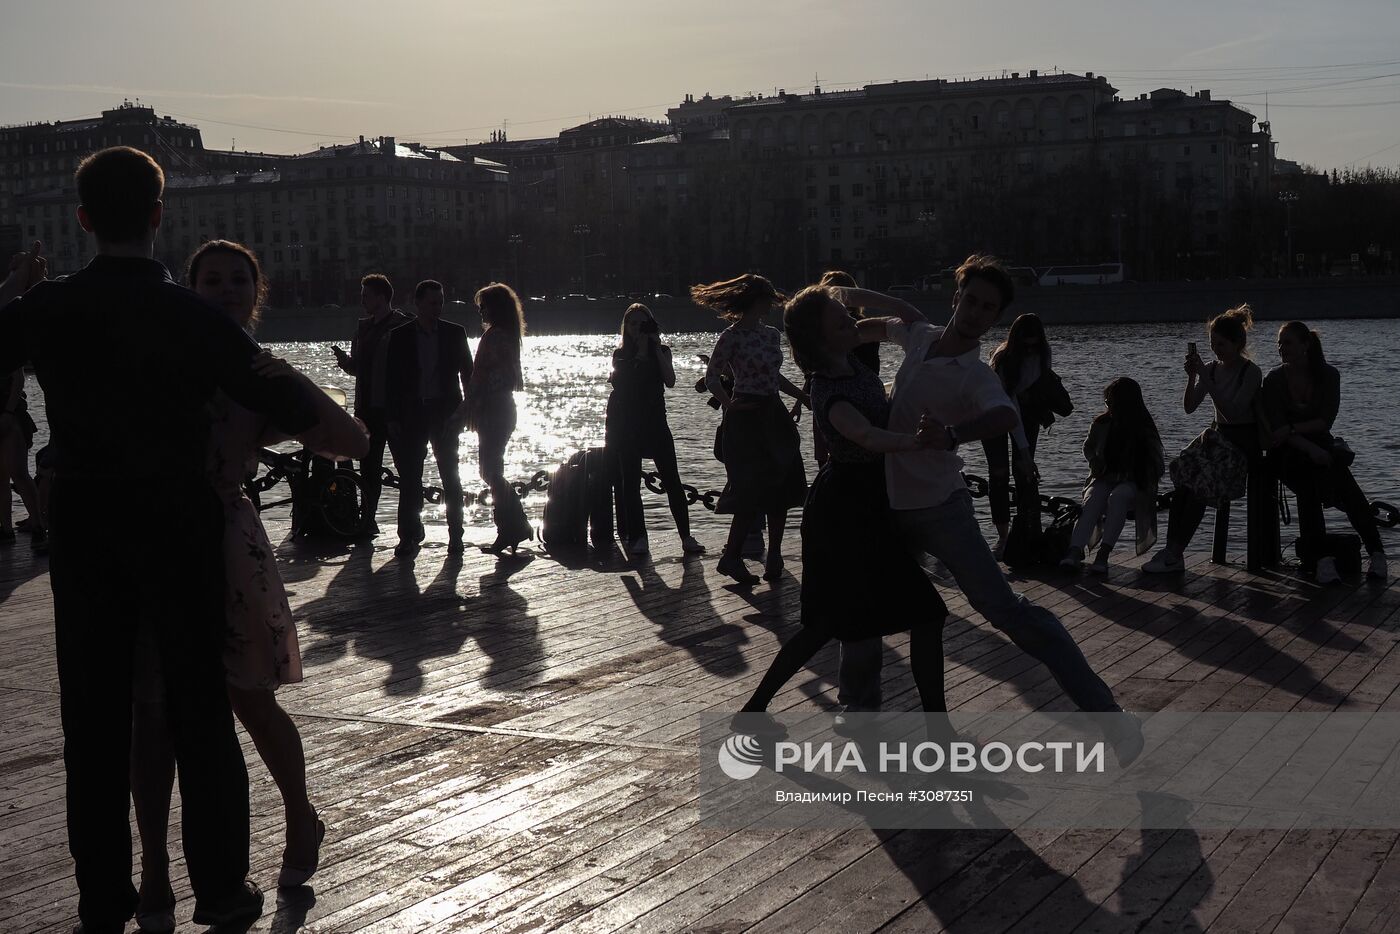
x=1233, y=383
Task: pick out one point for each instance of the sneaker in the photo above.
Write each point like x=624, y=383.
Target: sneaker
x=1164, y=562
x=1326, y=572
x=245, y=905
x=1123, y=731
x=406, y=549
x=1072, y=559
x=1100, y=563
x=690, y=546
x=1377, y=569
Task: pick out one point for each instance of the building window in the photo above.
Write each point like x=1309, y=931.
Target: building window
x=833, y=171
x=858, y=190
x=836, y=233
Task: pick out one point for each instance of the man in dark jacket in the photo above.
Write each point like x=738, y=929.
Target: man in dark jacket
x=128, y=360
x=427, y=369
x=364, y=361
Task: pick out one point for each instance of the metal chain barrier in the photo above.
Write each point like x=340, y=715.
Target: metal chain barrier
x=281, y=466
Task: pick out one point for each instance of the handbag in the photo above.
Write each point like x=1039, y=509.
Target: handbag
x=1211, y=469
x=1046, y=398
x=1342, y=454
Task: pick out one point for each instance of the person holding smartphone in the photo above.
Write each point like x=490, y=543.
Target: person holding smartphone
x=1232, y=381
x=636, y=427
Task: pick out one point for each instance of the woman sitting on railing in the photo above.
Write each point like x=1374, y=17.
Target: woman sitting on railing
x=1301, y=399
x=1229, y=455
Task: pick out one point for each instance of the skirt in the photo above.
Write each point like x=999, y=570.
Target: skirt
x=762, y=457
x=858, y=579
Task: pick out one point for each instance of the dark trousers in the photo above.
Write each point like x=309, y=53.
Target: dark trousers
x=1312, y=485
x=494, y=428
x=104, y=585
x=372, y=464
x=999, y=462
x=631, y=521
x=409, y=446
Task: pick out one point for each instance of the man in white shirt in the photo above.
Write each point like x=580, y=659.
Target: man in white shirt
x=944, y=378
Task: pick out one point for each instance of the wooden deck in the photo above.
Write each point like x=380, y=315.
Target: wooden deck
x=508, y=746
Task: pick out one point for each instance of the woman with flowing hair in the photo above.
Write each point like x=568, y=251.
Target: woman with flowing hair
x=1302, y=397
x=859, y=582
x=489, y=407
x=758, y=440
x=1124, y=452
x=1018, y=361
x=261, y=652
x=636, y=427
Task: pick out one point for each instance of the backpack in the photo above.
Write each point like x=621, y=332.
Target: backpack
x=598, y=480
x=565, y=509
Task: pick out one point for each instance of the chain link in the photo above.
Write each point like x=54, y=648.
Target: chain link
x=282, y=466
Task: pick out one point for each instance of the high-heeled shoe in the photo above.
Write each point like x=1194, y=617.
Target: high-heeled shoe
x=157, y=919
x=292, y=876
x=504, y=541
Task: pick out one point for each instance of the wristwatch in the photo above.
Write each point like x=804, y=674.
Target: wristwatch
x=953, y=441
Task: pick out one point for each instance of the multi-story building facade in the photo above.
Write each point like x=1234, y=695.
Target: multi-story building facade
x=1043, y=168
x=321, y=220
x=39, y=159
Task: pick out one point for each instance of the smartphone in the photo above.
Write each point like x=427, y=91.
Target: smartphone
x=1191, y=348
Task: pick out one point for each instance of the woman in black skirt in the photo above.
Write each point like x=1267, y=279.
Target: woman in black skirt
x=858, y=581
x=758, y=439
x=636, y=427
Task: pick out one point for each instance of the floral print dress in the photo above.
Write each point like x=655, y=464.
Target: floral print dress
x=260, y=643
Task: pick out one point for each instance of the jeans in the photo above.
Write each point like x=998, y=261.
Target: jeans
x=410, y=449
x=1105, y=501
x=951, y=534
x=372, y=464
x=999, y=469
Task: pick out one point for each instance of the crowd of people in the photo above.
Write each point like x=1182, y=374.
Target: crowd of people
x=154, y=668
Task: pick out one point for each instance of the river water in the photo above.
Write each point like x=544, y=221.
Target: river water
x=561, y=410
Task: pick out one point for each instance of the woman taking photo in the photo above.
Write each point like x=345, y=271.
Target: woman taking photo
x=1124, y=452
x=17, y=431
x=1301, y=398
x=261, y=651
x=859, y=582
x=1018, y=362
x=636, y=427
x=758, y=440
x=1232, y=382
x=489, y=407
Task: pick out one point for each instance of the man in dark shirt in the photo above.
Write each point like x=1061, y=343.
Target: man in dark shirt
x=364, y=361
x=127, y=360
x=427, y=368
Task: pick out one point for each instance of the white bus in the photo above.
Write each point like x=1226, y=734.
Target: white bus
x=1082, y=275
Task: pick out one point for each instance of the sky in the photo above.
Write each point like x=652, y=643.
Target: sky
x=287, y=76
